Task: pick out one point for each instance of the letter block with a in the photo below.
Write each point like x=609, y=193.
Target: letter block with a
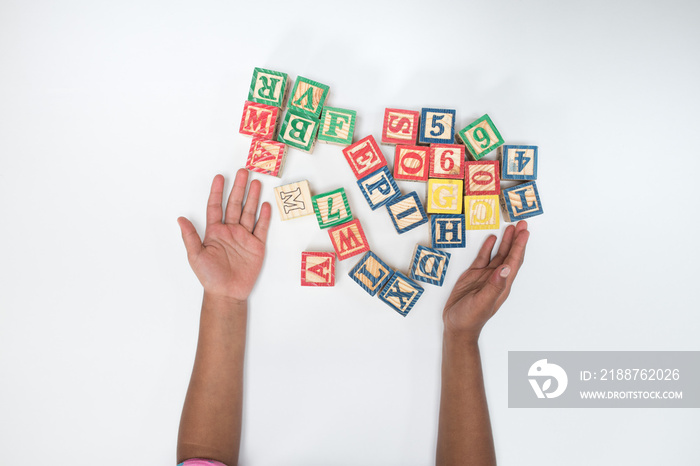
x=411, y=163
x=481, y=212
x=337, y=126
x=332, y=208
x=521, y=201
x=445, y=196
x=406, y=212
x=298, y=131
x=482, y=178
x=448, y=231
x=308, y=97
x=437, y=126
x=317, y=268
x=400, y=126
x=371, y=273
x=429, y=265
x=379, y=188
x=480, y=137
x=447, y=161
x=268, y=87
x=364, y=157
x=401, y=293
x=348, y=239
x=266, y=157
x=259, y=120
x=294, y=200
x=518, y=162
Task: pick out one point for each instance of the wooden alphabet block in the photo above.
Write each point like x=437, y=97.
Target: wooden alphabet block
x=259, y=120
x=429, y=265
x=447, y=161
x=444, y=196
x=481, y=212
x=332, y=208
x=294, y=200
x=437, y=126
x=411, y=163
x=371, y=273
x=482, y=178
x=298, y=131
x=400, y=126
x=337, y=126
x=401, y=293
x=448, y=231
x=348, y=239
x=364, y=157
x=317, y=269
x=480, y=137
x=379, y=188
x=266, y=157
x=518, y=162
x=268, y=87
x=406, y=212
x=308, y=97
x=521, y=201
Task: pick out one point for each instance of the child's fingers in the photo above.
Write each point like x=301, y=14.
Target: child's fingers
x=193, y=244
x=263, y=224
x=235, y=198
x=251, y=206
x=482, y=259
x=214, y=211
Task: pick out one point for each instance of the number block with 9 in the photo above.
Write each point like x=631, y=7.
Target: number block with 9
x=480, y=137
x=447, y=161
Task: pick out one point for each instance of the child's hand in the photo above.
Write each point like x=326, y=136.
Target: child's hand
x=228, y=261
x=485, y=285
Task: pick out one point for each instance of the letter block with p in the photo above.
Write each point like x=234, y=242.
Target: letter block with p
x=379, y=188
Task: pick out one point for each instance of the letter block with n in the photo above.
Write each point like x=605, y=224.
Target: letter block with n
x=268, y=87
x=400, y=126
x=294, y=200
x=364, y=157
x=317, y=269
x=401, y=293
x=448, y=231
x=348, y=239
x=371, y=273
x=259, y=120
x=429, y=265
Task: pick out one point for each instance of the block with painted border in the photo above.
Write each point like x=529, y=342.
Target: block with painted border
x=308, y=97
x=259, y=120
x=317, y=268
x=481, y=137
x=268, y=87
x=266, y=157
x=444, y=196
x=411, y=163
x=437, y=126
x=482, y=177
x=401, y=293
x=332, y=208
x=294, y=200
x=364, y=157
x=298, y=131
x=337, y=126
x=481, y=212
x=406, y=212
x=429, y=265
x=400, y=126
x=518, y=162
x=447, y=161
x=379, y=188
x=371, y=273
x=521, y=202
x=448, y=231
x=349, y=239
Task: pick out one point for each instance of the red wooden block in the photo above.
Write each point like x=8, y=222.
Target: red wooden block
x=447, y=161
x=259, y=120
x=317, y=268
x=482, y=177
x=349, y=239
x=266, y=157
x=400, y=126
x=364, y=157
x=411, y=163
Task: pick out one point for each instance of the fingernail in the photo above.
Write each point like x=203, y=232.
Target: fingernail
x=505, y=271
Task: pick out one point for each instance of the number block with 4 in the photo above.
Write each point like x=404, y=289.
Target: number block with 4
x=407, y=212
x=364, y=157
x=444, y=196
x=349, y=239
x=371, y=273
x=521, y=201
x=259, y=120
x=482, y=178
x=294, y=200
x=298, y=130
x=447, y=161
x=480, y=137
x=400, y=126
x=448, y=231
x=401, y=293
x=437, y=126
x=308, y=97
x=332, y=208
x=481, y=212
x=429, y=265
x=379, y=188
x=337, y=126
x=317, y=268
x=518, y=162
x=411, y=163
x=266, y=157
x=268, y=87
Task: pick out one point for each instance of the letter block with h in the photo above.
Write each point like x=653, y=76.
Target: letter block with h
x=337, y=126
x=400, y=126
x=317, y=268
x=401, y=293
x=349, y=239
x=448, y=231
x=429, y=265
x=259, y=120
x=371, y=273
x=521, y=201
x=294, y=200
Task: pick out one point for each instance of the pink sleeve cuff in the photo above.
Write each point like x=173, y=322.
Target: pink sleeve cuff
x=200, y=462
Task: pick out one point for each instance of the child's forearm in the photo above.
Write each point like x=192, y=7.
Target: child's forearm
x=210, y=426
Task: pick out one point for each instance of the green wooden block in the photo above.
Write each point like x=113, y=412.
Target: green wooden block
x=332, y=208
x=480, y=137
x=268, y=87
x=337, y=126
x=308, y=96
x=298, y=130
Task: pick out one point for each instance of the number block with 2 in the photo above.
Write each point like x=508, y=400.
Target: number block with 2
x=480, y=137
x=437, y=126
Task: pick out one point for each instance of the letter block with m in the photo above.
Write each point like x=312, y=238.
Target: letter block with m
x=259, y=120
x=400, y=126
x=294, y=200
x=348, y=239
x=401, y=293
x=268, y=87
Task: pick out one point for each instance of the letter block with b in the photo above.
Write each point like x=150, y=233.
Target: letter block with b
x=294, y=200
x=400, y=126
x=299, y=130
x=401, y=293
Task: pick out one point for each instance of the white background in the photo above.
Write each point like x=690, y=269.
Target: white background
x=115, y=116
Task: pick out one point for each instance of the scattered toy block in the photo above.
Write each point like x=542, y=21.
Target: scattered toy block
x=371, y=273
x=444, y=196
x=348, y=239
x=411, y=163
x=521, y=201
x=480, y=137
x=294, y=200
x=448, y=231
x=298, y=131
x=437, y=126
x=337, y=126
x=266, y=157
x=259, y=120
x=308, y=97
x=364, y=157
x=401, y=293
x=447, y=161
x=482, y=178
x=481, y=212
x=317, y=269
x=518, y=162
x=406, y=212
x=268, y=87
x=429, y=265
x=379, y=188
x=332, y=208
x=400, y=126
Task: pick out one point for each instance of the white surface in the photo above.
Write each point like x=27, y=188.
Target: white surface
x=115, y=116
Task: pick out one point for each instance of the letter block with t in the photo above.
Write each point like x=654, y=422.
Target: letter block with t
x=337, y=126
x=480, y=137
x=348, y=239
x=448, y=231
x=294, y=200
x=308, y=97
x=521, y=201
x=481, y=212
x=371, y=273
x=437, y=126
x=298, y=131
x=379, y=188
x=445, y=196
x=447, y=161
x=332, y=208
x=317, y=268
x=259, y=120
x=266, y=157
x=401, y=293
x=400, y=126
x=364, y=157
x=518, y=162
x=268, y=87
x=429, y=265
x=406, y=212
x=411, y=163
x=482, y=178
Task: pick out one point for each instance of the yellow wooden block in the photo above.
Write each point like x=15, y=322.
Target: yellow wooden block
x=444, y=196
x=482, y=212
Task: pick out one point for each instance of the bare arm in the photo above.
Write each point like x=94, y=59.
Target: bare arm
x=464, y=430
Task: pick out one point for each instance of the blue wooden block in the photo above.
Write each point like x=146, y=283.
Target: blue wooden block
x=521, y=201
x=437, y=126
x=429, y=265
x=379, y=188
x=407, y=212
x=371, y=273
x=448, y=231
x=518, y=162
x=401, y=293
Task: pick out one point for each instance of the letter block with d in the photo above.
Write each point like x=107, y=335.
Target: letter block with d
x=379, y=188
x=437, y=126
x=268, y=87
x=364, y=157
x=294, y=200
x=521, y=201
x=401, y=293
x=332, y=208
x=298, y=130
x=308, y=97
x=448, y=231
x=518, y=162
x=481, y=212
x=259, y=120
x=429, y=265
x=348, y=239
x=411, y=163
x=482, y=178
x=337, y=126
x=266, y=157
x=371, y=273
x=400, y=126
x=480, y=137
x=317, y=268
